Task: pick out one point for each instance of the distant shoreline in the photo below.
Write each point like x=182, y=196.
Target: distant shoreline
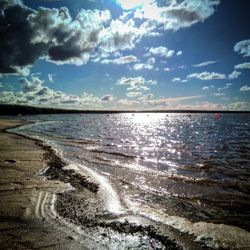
x=6, y=109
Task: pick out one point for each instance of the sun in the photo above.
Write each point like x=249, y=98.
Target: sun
x=131, y=4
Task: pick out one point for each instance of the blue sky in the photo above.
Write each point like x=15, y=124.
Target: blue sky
x=121, y=54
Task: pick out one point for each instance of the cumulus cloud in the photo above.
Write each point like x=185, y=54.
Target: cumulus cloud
x=136, y=83
x=208, y=87
x=161, y=51
x=146, y=97
x=205, y=63
x=245, y=65
x=207, y=76
x=178, y=14
x=179, y=53
x=52, y=34
x=234, y=75
x=121, y=60
x=176, y=79
x=107, y=98
x=243, y=47
x=28, y=35
x=33, y=92
x=227, y=86
x=16, y=50
x=214, y=76
x=120, y=36
x=134, y=94
x=148, y=65
x=245, y=88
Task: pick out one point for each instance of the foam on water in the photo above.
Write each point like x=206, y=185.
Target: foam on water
x=213, y=235
x=106, y=192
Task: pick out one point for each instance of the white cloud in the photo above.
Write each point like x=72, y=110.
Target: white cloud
x=241, y=106
x=134, y=94
x=68, y=41
x=121, y=60
x=205, y=88
x=205, y=63
x=234, y=75
x=227, y=86
x=176, y=79
x=245, y=65
x=166, y=69
x=208, y=87
x=243, y=47
x=148, y=65
x=245, y=88
x=140, y=66
x=52, y=34
x=51, y=77
x=207, y=76
x=136, y=83
x=33, y=92
x=219, y=94
x=179, y=53
x=120, y=36
x=146, y=97
x=177, y=14
x=161, y=51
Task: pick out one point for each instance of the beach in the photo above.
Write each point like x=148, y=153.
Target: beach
x=47, y=203
x=26, y=222
x=28, y=219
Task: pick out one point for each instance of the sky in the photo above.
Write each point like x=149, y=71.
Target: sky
x=126, y=54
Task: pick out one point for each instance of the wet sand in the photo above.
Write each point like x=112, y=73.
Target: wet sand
x=26, y=221
x=45, y=204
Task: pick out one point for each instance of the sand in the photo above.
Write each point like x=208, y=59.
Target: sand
x=25, y=195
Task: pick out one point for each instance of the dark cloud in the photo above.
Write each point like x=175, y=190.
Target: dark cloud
x=62, y=53
x=52, y=34
x=184, y=15
x=16, y=49
x=27, y=35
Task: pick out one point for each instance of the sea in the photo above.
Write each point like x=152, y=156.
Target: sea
x=179, y=169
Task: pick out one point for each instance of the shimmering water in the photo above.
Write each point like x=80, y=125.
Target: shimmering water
x=189, y=165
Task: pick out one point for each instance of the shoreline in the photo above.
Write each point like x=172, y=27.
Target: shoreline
x=71, y=207
x=50, y=168
x=26, y=221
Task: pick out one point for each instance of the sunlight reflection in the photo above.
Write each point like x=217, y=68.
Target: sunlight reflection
x=147, y=119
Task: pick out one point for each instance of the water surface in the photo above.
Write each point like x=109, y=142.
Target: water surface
x=189, y=165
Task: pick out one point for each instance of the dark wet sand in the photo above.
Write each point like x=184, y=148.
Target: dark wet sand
x=44, y=205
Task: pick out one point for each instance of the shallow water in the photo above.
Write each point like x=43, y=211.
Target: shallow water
x=191, y=166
